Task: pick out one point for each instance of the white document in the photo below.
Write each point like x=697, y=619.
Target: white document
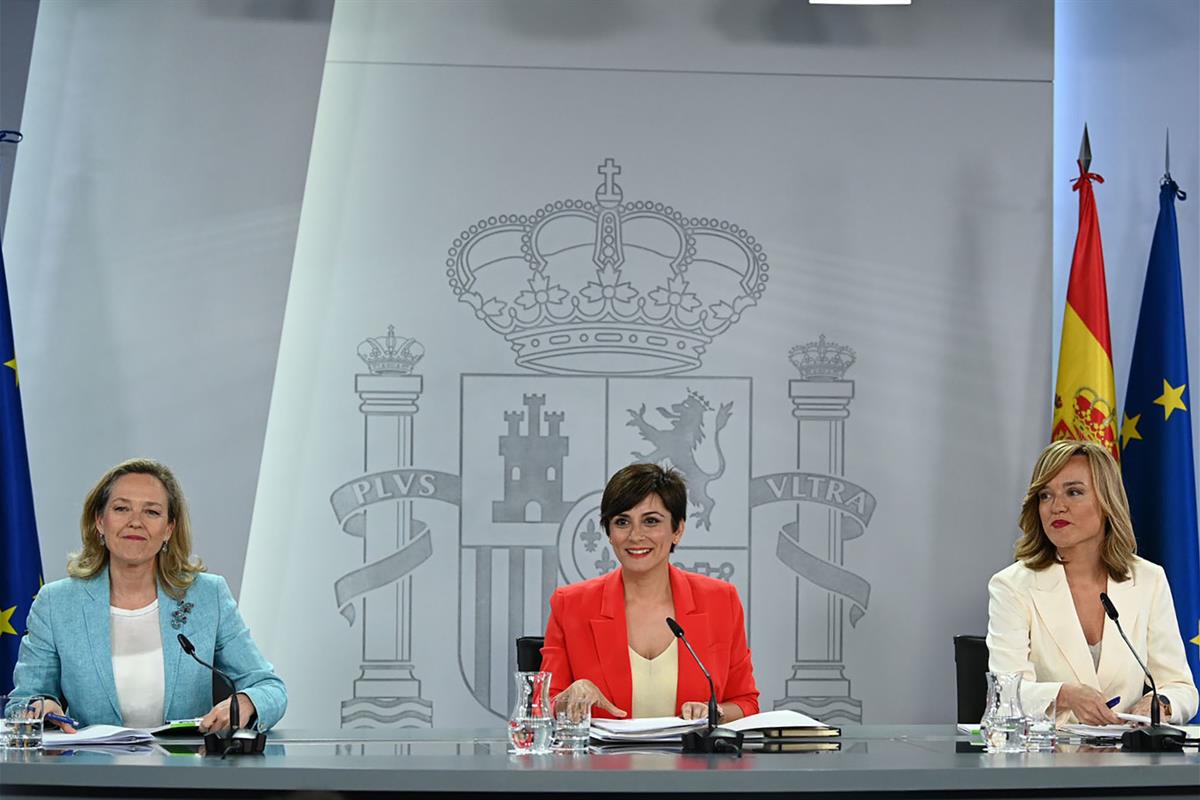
x=97, y=735
x=644, y=729
x=1097, y=731
x=1134, y=718
x=770, y=720
x=90, y=735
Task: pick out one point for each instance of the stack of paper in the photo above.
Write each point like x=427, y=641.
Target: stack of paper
x=107, y=735
x=97, y=735
x=1096, y=731
x=646, y=730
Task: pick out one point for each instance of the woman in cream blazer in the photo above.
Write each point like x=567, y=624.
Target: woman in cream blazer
x=1045, y=618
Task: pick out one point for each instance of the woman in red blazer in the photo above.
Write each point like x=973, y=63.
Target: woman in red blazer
x=598, y=627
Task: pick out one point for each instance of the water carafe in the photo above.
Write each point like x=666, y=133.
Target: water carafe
x=1003, y=719
x=531, y=726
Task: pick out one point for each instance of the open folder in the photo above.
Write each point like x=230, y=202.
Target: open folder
x=781, y=723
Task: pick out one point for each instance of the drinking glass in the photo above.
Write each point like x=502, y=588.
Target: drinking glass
x=571, y=736
x=23, y=724
x=531, y=726
x=1041, y=730
x=1003, y=723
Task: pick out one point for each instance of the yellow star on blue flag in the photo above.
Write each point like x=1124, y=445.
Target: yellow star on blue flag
x=6, y=615
x=1171, y=398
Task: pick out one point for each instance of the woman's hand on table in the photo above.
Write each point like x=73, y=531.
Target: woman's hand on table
x=1089, y=706
x=47, y=706
x=726, y=712
x=217, y=719
x=578, y=699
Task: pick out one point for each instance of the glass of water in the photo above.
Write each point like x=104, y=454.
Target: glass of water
x=571, y=736
x=23, y=724
x=1041, y=730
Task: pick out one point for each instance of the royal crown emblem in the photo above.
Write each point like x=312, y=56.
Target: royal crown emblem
x=821, y=360
x=1092, y=419
x=391, y=354
x=583, y=287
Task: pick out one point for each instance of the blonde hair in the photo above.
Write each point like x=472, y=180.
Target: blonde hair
x=1036, y=550
x=175, y=567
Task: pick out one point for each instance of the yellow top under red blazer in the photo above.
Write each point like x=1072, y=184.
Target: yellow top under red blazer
x=586, y=638
x=1033, y=629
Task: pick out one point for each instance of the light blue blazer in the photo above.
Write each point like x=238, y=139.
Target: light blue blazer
x=67, y=652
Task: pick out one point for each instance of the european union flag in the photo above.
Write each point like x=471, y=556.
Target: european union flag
x=1156, y=434
x=20, y=560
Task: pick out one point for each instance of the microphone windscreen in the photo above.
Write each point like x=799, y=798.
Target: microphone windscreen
x=675, y=629
x=186, y=644
x=1109, y=608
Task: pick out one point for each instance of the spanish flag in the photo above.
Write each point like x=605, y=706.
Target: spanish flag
x=1085, y=397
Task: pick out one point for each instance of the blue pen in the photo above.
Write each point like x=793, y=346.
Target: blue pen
x=62, y=720
x=1113, y=703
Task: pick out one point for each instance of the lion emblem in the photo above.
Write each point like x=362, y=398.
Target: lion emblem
x=675, y=446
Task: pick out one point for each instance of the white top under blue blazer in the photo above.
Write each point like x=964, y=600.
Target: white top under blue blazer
x=67, y=652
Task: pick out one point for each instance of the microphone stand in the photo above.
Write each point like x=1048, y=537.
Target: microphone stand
x=238, y=742
x=1155, y=738
x=713, y=739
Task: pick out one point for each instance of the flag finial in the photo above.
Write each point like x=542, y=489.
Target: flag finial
x=1085, y=150
x=1167, y=158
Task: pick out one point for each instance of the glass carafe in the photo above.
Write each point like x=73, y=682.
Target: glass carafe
x=531, y=726
x=1003, y=718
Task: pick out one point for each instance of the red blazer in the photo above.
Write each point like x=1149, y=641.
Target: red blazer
x=586, y=638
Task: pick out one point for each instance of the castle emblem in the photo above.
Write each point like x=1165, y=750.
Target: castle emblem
x=533, y=466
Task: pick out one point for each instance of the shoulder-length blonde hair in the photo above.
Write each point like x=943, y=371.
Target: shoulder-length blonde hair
x=1036, y=550
x=176, y=567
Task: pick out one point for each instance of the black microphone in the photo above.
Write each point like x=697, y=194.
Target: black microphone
x=1157, y=738
x=190, y=649
x=713, y=740
x=713, y=714
x=248, y=742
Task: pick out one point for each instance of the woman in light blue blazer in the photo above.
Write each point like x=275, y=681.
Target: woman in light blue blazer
x=102, y=645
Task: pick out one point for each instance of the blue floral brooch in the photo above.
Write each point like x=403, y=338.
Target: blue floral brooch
x=179, y=616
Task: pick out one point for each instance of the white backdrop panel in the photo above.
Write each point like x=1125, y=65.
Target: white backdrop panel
x=906, y=219
x=150, y=235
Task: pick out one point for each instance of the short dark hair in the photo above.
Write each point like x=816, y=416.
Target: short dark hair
x=634, y=483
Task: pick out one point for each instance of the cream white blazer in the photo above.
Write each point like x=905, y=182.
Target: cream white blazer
x=1033, y=629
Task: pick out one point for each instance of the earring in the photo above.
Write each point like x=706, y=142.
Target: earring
x=164, y=547
x=101, y=535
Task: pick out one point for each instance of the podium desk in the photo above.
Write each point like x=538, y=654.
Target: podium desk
x=875, y=761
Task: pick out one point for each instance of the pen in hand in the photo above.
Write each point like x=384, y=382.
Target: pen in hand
x=63, y=721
